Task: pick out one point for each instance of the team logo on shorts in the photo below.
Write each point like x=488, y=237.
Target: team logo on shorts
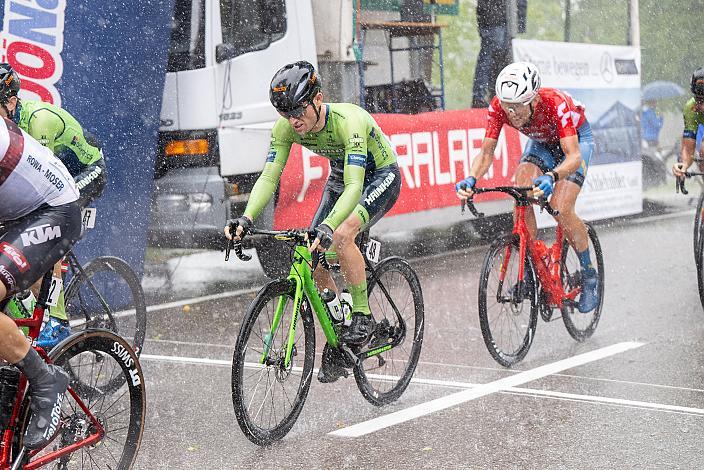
x=15, y=256
x=40, y=234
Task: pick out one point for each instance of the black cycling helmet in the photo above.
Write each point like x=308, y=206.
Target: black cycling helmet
x=9, y=82
x=294, y=86
x=697, y=83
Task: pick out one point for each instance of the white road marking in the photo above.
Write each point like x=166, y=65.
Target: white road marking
x=179, y=303
x=185, y=360
x=204, y=298
x=454, y=399
x=606, y=400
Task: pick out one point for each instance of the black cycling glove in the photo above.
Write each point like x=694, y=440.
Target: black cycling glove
x=324, y=234
x=243, y=222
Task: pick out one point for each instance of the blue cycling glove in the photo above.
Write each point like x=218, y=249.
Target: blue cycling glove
x=467, y=183
x=545, y=183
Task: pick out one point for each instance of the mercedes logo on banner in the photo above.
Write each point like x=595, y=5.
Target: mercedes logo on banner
x=607, y=67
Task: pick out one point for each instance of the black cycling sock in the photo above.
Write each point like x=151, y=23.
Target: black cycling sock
x=32, y=366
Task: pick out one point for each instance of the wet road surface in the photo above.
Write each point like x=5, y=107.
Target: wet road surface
x=632, y=396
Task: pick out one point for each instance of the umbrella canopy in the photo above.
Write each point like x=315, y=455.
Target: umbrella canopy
x=661, y=90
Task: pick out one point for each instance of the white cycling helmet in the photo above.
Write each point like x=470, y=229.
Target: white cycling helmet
x=518, y=83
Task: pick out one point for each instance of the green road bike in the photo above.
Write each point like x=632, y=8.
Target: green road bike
x=272, y=365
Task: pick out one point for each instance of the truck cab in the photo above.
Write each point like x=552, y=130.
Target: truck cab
x=216, y=117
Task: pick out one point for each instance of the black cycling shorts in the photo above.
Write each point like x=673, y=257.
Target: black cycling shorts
x=381, y=189
x=30, y=246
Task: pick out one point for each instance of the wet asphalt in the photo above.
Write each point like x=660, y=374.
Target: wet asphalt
x=640, y=407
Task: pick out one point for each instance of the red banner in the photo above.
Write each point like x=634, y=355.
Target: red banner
x=435, y=150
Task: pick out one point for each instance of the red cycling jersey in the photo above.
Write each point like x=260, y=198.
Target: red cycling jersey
x=555, y=116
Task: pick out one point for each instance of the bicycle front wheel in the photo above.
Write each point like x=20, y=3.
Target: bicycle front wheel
x=95, y=359
x=109, y=295
x=268, y=393
x=508, y=309
x=581, y=325
x=388, y=361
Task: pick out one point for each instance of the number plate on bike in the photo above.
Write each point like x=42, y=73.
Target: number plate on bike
x=88, y=217
x=56, y=285
x=373, y=250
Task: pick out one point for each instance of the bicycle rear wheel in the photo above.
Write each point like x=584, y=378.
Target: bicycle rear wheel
x=109, y=295
x=268, y=394
x=581, y=325
x=508, y=310
x=387, y=362
x=94, y=359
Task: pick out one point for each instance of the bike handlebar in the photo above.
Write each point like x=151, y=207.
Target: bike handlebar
x=679, y=181
x=298, y=236
x=519, y=193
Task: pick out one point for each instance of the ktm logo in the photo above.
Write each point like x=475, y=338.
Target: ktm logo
x=40, y=234
x=278, y=89
x=8, y=80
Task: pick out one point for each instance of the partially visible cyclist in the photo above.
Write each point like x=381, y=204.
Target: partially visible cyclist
x=693, y=114
x=363, y=185
x=555, y=158
x=40, y=221
x=56, y=129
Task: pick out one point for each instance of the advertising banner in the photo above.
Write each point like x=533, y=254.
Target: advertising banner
x=606, y=79
x=434, y=150
x=105, y=63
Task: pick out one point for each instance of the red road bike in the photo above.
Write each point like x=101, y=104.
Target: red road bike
x=522, y=276
x=102, y=417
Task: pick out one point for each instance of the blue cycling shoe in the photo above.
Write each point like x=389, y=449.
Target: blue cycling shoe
x=589, y=300
x=53, y=333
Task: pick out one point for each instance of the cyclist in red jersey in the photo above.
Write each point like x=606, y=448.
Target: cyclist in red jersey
x=555, y=159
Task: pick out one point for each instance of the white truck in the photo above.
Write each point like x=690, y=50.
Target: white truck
x=216, y=117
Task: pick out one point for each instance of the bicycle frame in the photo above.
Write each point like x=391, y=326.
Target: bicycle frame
x=305, y=285
x=34, y=324
x=301, y=275
x=546, y=260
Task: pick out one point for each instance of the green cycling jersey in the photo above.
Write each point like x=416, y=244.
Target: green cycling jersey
x=56, y=129
x=692, y=120
x=352, y=141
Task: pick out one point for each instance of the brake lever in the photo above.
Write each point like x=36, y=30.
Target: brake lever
x=679, y=185
x=238, y=251
x=228, y=246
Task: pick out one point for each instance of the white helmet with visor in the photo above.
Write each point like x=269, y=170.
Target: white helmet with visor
x=518, y=83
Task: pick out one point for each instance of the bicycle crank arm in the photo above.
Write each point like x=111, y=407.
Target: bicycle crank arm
x=351, y=356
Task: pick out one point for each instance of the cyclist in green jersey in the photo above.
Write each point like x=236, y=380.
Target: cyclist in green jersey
x=81, y=154
x=693, y=114
x=363, y=185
